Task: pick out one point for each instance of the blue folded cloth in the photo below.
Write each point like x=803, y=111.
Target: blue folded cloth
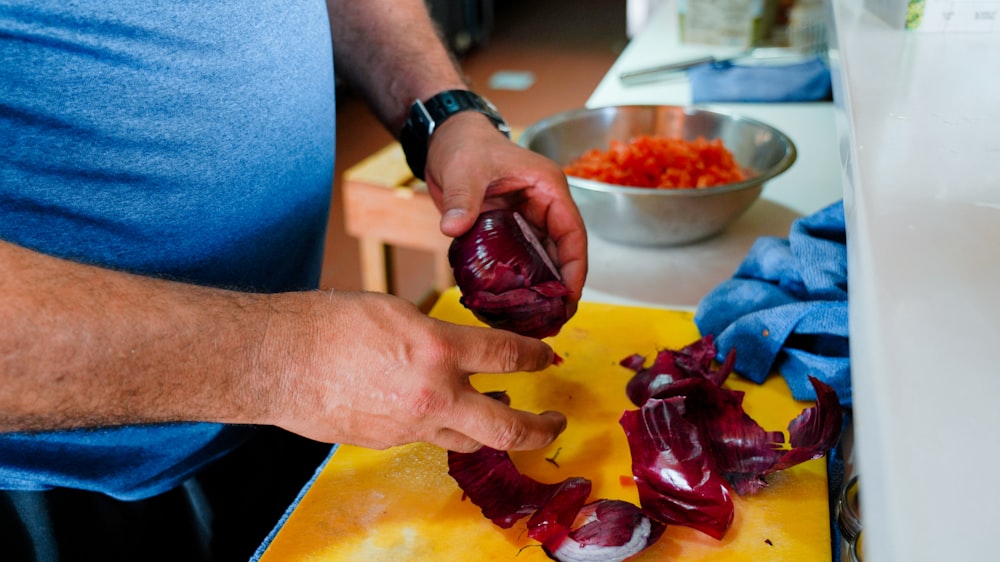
x=785, y=308
x=726, y=81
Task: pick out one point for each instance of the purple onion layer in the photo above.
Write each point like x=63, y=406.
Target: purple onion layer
x=506, y=278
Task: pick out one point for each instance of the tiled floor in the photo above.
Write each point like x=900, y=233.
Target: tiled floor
x=566, y=45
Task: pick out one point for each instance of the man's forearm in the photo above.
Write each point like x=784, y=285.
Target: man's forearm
x=85, y=346
x=391, y=51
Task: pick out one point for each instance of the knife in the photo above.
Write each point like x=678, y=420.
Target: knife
x=655, y=72
x=756, y=55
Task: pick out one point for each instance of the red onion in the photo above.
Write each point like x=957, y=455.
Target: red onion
x=690, y=440
x=491, y=481
x=506, y=278
x=604, y=530
x=694, y=360
x=691, y=434
x=569, y=530
x=674, y=469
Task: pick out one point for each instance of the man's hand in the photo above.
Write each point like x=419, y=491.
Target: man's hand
x=87, y=347
x=373, y=371
x=472, y=167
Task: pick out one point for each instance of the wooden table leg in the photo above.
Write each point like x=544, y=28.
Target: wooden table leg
x=443, y=276
x=374, y=271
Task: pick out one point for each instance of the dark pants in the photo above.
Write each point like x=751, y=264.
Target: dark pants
x=221, y=515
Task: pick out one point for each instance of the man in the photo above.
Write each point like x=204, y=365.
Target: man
x=164, y=185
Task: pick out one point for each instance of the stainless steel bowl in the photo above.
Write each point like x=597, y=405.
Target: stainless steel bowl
x=663, y=217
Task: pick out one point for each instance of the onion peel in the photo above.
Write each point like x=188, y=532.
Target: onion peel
x=691, y=443
x=681, y=385
x=674, y=469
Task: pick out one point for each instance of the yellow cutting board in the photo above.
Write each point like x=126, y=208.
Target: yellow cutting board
x=401, y=505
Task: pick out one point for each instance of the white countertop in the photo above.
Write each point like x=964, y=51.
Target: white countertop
x=622, y=274
x=912, y=144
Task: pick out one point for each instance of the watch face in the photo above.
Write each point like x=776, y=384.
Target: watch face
x=422, y=118
x=446, y=104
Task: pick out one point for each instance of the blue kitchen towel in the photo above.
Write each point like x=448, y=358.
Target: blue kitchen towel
x=785, y=308
x=726, y=81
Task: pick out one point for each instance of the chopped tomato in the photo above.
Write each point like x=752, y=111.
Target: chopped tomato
x=659, y=162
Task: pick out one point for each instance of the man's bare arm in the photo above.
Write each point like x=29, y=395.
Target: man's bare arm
x=85, y=346
x=391, y=52
x=389, y=49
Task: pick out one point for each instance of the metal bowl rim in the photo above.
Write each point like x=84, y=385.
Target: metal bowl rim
x=791, y=153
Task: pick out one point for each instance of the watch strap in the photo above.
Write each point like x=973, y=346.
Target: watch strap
x=426, y=116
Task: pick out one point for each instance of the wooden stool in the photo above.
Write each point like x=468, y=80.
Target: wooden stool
x=384, y=205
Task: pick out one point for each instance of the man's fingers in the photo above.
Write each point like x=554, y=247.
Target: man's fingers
x=484, y=419
x=498, y=426
x=457, y=218
x=489, y=350
x=454, y=441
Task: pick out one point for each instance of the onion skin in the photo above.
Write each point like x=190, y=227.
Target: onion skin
x=674, y=470
x=691, y=440
x=609, y=531
x=691, y=444
x=569, y=529
x=693, y=361
x=491, y=481
x=505, y=277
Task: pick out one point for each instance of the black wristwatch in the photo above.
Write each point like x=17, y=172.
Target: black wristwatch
x=426, y=116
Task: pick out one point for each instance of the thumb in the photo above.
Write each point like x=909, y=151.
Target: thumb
x=459, y=211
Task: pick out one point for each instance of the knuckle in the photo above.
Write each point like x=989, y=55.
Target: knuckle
x=509, y=435
x=507, y=354
x=427, y=348
x=427, y=403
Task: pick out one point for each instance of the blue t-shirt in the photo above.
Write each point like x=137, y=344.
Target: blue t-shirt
x=189, y=140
